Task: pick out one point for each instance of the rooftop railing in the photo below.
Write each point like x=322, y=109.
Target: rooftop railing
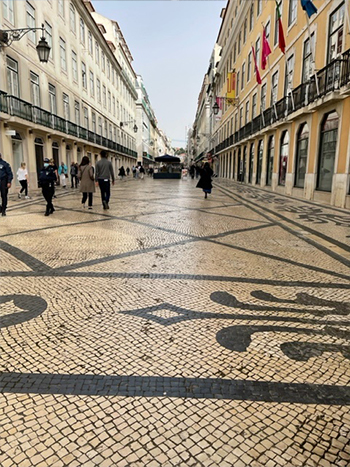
x=17, y=107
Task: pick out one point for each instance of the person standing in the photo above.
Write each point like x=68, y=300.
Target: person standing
x=22, y=177
x=86, y=177
x=47, y=179
x=205, y=180
x=104, y=172
x=55, y=168
x=142, y=172
x=63, y=173
x=73, y=175
x=121, y=173
x=6, y=177
x=127, y=171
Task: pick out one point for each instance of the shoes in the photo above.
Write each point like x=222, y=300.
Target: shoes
x=19, y=196
x=107, y=205
x=54, y=196
x=83, y=205
x=104, y=203
x=27, y=197
x=47, y=213
x=3, y=214
x=90, y=207
x=52, y=210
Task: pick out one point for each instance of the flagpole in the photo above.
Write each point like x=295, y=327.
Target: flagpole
x=312, y=54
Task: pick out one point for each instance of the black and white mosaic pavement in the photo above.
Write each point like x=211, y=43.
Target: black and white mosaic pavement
x=175, y=331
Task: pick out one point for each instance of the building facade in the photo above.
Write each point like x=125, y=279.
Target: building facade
x=68, y=107
x=289, y=134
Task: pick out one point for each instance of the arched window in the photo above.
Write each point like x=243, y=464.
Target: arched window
x=283, y=158
x=259, y=161
x=251, y=163
x=328, y=146
x=243, y=164
x=270, y=157
x=301, y=155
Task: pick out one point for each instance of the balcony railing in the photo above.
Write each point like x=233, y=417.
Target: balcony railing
x=17, y=107
x=329, y=79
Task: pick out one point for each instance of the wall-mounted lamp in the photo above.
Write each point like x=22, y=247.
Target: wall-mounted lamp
x=7, y=36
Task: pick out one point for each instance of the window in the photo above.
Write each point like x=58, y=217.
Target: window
x=254, y=105
x=66, y=112
x=270, y=157
x=82, y=31
x=328, y=146
x=239, y=42
x=86, y=118
x=259, y=7
x=48, y=36
x=307, y=59
x=52, y=99
x=301, y=155
x=72, y=18
x=12, y=77
x=113, y=105
x=245, y=31
x=108, y=69
x=93, y=121
x=237, y=84
x=249, y=67
x=31, y=21
x=263, y=97
x=109, y=101
x=268, y=31
x=251, y=17
x=97, y=53
x=274, y=88
x=90, y=46
x=74, y=66
x=83, y=75
x=336, y=32
x=104, y=93
x=63, y=54
x=35, y=89
x=100, y=126
x=240, y=117
x=234, y=52
x=106, y=128
x=7, y=10
x=259, y=162
x=77, y=112
x=251, y=163
x=283, y=162
x=61, y=8
x=288, y=79
x=275, y=42
x=103, y=60
x=292, y=12
x=98, y=86
x=243, y=76
x=246, y=112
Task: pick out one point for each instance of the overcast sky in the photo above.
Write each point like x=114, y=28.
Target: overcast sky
x=171, y=43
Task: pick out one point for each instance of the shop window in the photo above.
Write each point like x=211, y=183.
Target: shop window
x=301, y=155
x=259, y=161
x=328, y=146
x=270, y=158
x=283, y=162
x=251, y=163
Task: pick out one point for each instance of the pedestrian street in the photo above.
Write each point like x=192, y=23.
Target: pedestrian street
x=173, y=330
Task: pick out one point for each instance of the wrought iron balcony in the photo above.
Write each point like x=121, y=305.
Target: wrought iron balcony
x=17, y=107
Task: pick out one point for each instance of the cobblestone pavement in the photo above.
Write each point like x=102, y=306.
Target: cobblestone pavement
x=172, y=330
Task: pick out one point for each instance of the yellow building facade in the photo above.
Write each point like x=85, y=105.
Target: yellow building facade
x=291, y=133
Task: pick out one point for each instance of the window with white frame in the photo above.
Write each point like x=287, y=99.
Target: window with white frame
x=249, y=67
x=268, y=30
x=288, y=79
x=259, y=7
x=103, y=61
x=263, y=98
x=12, y=77
x=98, y=88
x=93, y=121
x=307, y=58
x=109, y=101
x=31, y=21
x=113, y=101
x=35, y=88
x=100, y=126
x=83, y=75
x=48, y=36
x=275, y=42
x=72, y=21
x=257, y=50
x=243, y=76
x=7, y=10
x=97, y=53
x=63, y=54
x=74, y=66
x=292, y=12
x=251, y=17
x=245, y=27
x=82, y=31
x=86, y=118
x=52, y=99
x=241, y=117
x=104, y=94
x=274, y=88
x=92, y=84
x=247, y=112
x=254, y=105
x=66, y=109
x=90, y=43
x=60, y=6
x=336, y=33
x=108, y=69
x=77, y=112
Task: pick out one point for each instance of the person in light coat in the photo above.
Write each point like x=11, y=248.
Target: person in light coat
x=63, y=173
x=87, y=185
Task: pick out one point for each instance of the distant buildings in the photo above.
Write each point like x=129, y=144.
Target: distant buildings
x=289, y=134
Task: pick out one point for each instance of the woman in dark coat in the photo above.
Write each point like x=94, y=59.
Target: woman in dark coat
x=205, y=180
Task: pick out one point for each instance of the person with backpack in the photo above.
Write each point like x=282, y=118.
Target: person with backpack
x=47, y=178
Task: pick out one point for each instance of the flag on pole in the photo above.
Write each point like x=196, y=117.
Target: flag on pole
x=258, y=78
x=281, y=40
x=265, y=50
x=308, y=7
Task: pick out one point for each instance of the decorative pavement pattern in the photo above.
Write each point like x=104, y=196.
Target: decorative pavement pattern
x=175, y=331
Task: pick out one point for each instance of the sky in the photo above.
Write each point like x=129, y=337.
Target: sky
x=171, y=42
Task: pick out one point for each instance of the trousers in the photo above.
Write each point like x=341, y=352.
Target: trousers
x=105, y=187
x=24, y=185
x=48, y=190
x=4, y=192
x=85, y=196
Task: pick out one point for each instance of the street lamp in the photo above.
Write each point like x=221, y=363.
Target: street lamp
x=126, y=123
x=7, y=36
x=216, y=108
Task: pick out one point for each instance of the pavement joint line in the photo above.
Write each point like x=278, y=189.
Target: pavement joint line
x=24, y=257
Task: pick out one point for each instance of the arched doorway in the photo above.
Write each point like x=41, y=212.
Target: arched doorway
x=251, y=163
x=39, y=154
x=17, y=151
x=55, y=153
x=328, y=147
x=301, y=155
x=283, y=162
x=270, y=157
x=259, y=161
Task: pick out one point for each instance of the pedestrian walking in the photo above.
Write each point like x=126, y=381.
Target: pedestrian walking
x=47, y=179
x=205, y=179
x=127, y=171
x=73, y=175
x=63, y=174
x=22, y=177
x=134, y=171
x=86, y=177
x=6, y=177
x=104, y=172
x=192, y=171
x=55, y=168
x=142, y=172
x=121, y=173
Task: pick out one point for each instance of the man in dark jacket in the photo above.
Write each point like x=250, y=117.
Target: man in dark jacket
x=103, y=173
x=47, y=179
x=6, y=178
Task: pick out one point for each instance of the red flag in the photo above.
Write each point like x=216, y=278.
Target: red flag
x=281, y=41
x=258, y=78
x=265, y=50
